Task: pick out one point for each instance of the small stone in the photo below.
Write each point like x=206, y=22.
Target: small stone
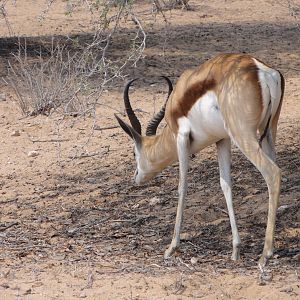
x=72, y=231
x=2, y=97
x=184, y=236
x=33, y=153
x=153, y=201
x=59, y=256
x=82, y=295
x=91, y=180
x=15, y=133
x=194, y=260
x=282, y=207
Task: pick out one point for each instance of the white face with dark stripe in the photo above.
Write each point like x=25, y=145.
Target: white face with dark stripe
x=144, y=169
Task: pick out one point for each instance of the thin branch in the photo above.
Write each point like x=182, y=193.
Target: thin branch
x=105, y=128
x=8, y=226
x=50, y=141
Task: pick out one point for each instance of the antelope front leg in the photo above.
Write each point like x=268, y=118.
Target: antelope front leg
x=183, y=146
x=224, y=159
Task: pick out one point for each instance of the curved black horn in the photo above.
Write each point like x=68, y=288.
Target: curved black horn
x=129, y=111
x=153, y=124
x=170, y=85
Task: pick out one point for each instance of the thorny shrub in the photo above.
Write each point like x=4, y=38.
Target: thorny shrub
x=63, y=80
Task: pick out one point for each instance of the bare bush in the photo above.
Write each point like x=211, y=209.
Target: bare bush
x=70, y=79
x=46, y=84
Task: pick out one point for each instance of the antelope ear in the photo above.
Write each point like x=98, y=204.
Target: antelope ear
x=130, y=131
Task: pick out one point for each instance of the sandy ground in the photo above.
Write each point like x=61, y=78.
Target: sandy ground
x=73, y=225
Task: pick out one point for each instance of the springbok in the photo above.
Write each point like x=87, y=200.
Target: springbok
x=232, y=97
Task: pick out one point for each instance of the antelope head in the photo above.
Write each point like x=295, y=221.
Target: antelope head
x=146, y=148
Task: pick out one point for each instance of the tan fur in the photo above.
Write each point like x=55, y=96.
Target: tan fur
x=234, y=79
x=161, y=149
x=228, y=75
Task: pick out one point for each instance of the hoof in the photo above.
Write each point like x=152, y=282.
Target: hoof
x=262, y=263
x=169, y=252
x=235, y=253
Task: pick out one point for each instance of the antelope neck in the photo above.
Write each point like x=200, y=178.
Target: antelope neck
x=160, y=150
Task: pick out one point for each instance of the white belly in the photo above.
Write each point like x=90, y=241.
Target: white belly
x=206, y=122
